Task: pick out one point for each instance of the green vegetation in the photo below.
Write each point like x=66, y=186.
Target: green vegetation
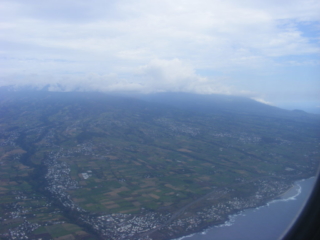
x=126, y=155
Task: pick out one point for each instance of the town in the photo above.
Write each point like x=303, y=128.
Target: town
x=100, y=170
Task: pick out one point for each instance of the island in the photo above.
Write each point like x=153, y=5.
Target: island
x=99, y=166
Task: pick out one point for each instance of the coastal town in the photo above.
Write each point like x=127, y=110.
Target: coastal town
x=122, y=226
x=142, y=226
x=76, y=173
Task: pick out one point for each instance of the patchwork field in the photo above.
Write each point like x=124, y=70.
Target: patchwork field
x=65, y=162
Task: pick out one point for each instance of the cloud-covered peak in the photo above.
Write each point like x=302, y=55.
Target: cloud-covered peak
x=161, y=45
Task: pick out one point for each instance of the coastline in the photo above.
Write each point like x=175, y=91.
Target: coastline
x=283, y=195
x=288, y=195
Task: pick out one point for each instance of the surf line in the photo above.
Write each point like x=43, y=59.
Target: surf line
x=296, y=191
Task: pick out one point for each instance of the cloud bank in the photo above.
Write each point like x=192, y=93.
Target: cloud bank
x=156, y=76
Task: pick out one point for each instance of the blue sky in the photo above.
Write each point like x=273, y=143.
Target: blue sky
x=266, y=50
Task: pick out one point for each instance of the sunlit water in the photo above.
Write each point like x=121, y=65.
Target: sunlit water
x=263, y=223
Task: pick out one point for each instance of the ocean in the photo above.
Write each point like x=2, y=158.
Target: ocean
x=263, y=223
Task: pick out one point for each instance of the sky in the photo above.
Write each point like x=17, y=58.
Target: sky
x=265, y=50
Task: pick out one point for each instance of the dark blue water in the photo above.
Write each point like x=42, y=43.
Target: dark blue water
x=263, y=223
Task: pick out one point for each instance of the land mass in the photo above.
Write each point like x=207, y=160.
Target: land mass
x=97, y=166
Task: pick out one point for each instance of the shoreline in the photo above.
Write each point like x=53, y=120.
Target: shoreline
x=231, y=218
x=282, y=195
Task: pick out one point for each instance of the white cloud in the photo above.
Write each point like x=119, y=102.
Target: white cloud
x=156, y=76
x=261, y=100
x=152, y=45
x=173, y=75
